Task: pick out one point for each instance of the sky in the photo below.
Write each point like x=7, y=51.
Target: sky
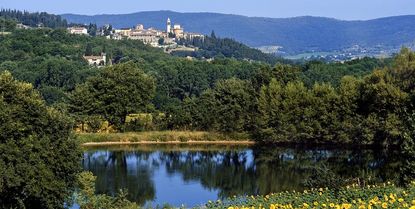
x=340, y=9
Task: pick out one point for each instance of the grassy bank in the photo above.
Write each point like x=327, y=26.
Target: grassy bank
x=177, y=147
x=358, y=197
x=161, y=137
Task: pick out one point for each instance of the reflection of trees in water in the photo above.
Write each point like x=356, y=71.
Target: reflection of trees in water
x=115, y=171
x=261, y=171
x=279, y=169
x=290, y=169
x=227, y=171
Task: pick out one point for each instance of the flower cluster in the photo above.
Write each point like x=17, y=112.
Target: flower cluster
x=350, y=197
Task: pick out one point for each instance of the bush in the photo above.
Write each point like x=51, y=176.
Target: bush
x=87, y=199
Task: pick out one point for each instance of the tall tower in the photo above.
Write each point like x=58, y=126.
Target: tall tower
x=168, y=25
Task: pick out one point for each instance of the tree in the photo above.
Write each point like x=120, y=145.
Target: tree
x=407, y=150
x=6, y=24
x=234, y=104
x=92, y=29
x=39, y=158
x=383, y=104
x=269, y=105
x=404, y=70
x=88, y=49
x=161, y=41
x=117, y=91
x=213, y=35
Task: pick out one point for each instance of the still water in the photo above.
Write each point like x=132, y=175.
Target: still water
x=192, y=175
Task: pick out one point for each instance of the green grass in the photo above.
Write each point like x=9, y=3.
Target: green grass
x=161, y=136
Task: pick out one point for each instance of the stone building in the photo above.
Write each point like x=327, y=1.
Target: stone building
x=98, y=61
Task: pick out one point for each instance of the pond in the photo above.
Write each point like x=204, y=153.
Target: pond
x=192, y=175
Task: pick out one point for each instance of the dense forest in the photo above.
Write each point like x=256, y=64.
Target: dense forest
x=314, y=102
x=36, y=19
x=213, y=46
x=7, y=25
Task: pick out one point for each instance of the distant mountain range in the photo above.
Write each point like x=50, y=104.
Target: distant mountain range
x=295, y=35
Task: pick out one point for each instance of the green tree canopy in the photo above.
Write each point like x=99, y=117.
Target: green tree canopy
x=234, y=103
x=117, y=91
x=39, y=160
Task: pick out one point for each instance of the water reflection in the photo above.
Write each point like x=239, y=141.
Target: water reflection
x=194, y=175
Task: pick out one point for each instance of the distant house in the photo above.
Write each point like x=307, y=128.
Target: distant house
x=123, y=31
x=98, y=61
x=21, y=26
x=40, y=25
x=178, y=30
x=146, y=36
x=78, y=30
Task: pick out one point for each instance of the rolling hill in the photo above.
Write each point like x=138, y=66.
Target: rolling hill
x=295, y=35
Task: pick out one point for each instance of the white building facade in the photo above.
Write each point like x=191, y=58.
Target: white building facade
x=78, y=30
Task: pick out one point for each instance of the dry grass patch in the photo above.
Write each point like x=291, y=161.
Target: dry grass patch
x=162, y=137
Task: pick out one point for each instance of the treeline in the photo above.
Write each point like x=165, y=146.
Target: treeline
x=34, y=19
x=213, y=46
x=321, y=72
x=310, y=103
x=276, y=106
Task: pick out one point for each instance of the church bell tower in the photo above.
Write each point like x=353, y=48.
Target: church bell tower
x=168, y=26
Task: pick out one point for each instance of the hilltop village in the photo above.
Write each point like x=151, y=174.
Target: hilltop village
x=166, y=39
x=171, y=38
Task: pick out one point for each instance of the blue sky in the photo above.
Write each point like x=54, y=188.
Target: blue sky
x=340, y=9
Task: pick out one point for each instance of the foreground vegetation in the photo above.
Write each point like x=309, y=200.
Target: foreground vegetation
x=356, y=197
x=87, y=199
x=39, y=158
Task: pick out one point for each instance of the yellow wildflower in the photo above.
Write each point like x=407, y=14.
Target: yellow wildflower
x=385, y=205
x=346, y=206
